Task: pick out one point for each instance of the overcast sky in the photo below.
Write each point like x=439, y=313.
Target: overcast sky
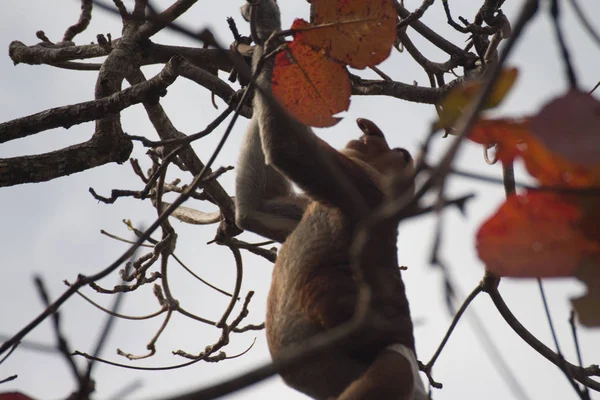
x=52, y=229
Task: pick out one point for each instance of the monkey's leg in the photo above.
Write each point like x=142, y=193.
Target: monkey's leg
x=265, y=201
x=394, y=375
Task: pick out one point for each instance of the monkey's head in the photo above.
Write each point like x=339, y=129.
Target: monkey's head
x=382, y=163
x=372, y=148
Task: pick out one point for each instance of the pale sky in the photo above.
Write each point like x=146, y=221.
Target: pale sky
x=52, y=229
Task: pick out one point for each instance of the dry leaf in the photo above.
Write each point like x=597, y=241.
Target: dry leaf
x=355, y=32
x=310, y=86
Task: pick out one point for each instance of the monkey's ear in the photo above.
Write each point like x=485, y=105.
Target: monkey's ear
x=369, y=128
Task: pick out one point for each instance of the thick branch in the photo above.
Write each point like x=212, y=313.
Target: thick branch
x=44, y=54
x=111, y=146
x=152, y=53
x=68, y=116
x=204, y=58
x=44, y=167
x=404, y=91
x=84, y=20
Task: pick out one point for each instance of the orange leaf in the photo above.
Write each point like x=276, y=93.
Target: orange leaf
x=461, y=96
x=570, y=126
x=355, y=32
x=310, y=86
x=515, y=139
x=536, y=235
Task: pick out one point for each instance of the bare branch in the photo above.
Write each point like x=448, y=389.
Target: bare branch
x=67, y=116
x=431, y=35
x=404, y=91
x=160, y=21
x=166, y=130
x=415, y=15
x=38, y=54
x=580, y=374
x=84, y=20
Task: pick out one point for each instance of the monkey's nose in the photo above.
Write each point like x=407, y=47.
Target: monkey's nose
x=404, y=152
x=368, y=127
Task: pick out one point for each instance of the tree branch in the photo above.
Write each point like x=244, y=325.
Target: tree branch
x=67, y=116
x=403, y=91
x=580, y=374
x=163, y=19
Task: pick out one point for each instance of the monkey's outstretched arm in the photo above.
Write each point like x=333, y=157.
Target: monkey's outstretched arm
x=317, y=168
x=265, y=202
x=291, y=147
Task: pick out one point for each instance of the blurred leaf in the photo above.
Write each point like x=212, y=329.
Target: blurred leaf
x=587, y=306
x=461, y=96
x=537, y=235
x=570, y=126
x=516, y=140
x=547, y=235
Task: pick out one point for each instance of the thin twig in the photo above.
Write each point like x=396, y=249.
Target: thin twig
x=188, y=139
x=8, y=379
x=239, y=274
x=585, y=21
x=118, y=315
x=560, y=38
x=120, y=239
x=573, y=324
x=134, y=367
x=12, y=349
x=86, y=382
x=62, y=344
x=151, y=346
x=580, y=374
x=562, y=365
x=427, y=367
x=210, y=285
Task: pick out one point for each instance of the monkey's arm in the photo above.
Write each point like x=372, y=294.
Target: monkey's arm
x=265, y=202
x=325, y=174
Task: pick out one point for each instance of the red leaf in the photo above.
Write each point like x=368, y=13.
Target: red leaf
x=355, y=32
x=570, y=126
x=536, y=235
x=515, y=140
x=310, y=86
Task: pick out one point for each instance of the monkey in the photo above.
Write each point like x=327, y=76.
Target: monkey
x=312, y=288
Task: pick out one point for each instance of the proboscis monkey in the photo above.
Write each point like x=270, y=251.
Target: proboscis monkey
x=313, y=288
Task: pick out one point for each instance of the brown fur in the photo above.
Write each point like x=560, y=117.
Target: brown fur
x=313, y=289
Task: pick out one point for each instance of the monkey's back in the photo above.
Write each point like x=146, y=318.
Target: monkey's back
x=313, y=290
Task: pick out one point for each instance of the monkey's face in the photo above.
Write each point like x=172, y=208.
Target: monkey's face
x=372, y=149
